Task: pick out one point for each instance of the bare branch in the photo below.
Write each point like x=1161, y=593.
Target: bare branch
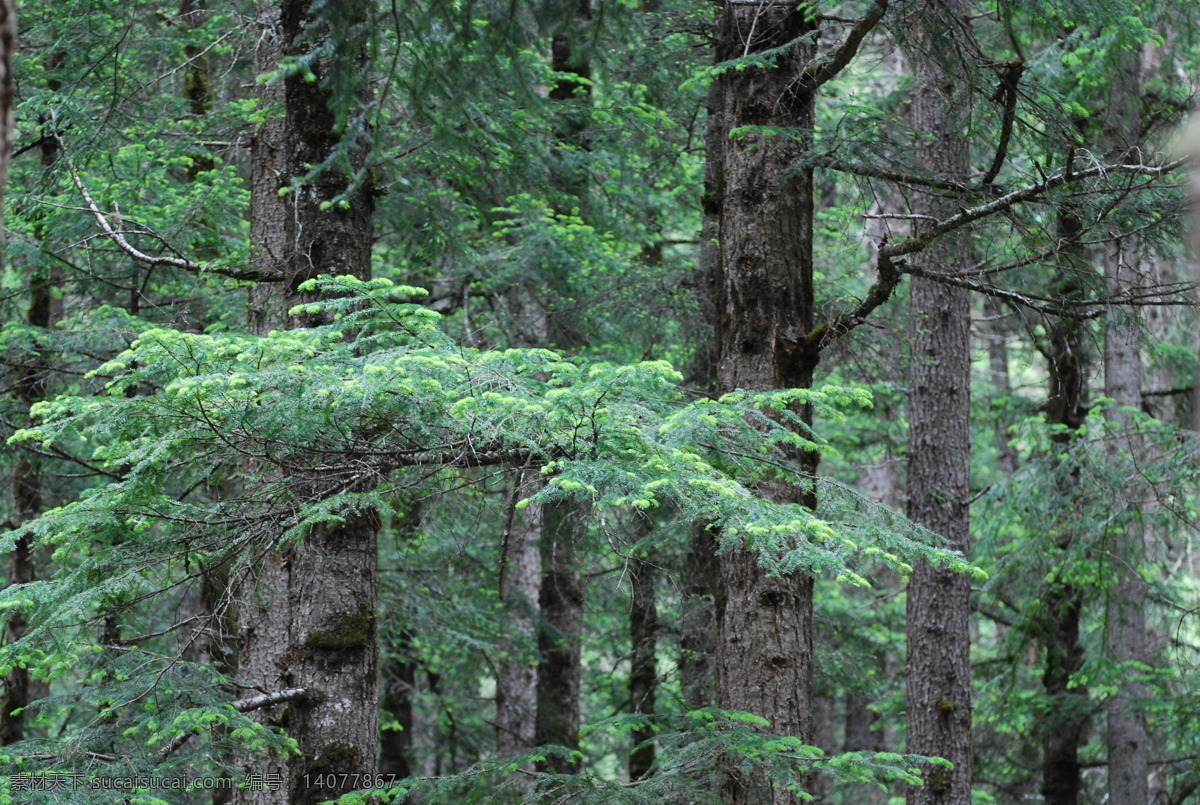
x=242, y=706
x=119, y=238
x=971, y=214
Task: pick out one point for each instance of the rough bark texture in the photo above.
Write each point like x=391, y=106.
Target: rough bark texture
x=764, y=300
x=1125, y=635
x=561, y=602
x=309, y=621
x=643, y=671
x=938, y=666
x=517, y=672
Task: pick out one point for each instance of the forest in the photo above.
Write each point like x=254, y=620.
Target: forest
x=599, y=402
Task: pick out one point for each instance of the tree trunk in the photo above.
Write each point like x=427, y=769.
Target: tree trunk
x=764, y=298
x=1125, y=635
x=561, y=602
x=517, y=674
x=859, y=720
x=311, y=623
x=938, y=665
x=27, y=505
x=562, y=591
x=643, y=671
x=1064, y=727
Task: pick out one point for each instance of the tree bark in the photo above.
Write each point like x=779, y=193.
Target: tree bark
x=764, y=298
x=561, y=601
x=517, y=673
x=643, y=671
x=563, y=522
x=1065, y=723
x=310, y=622
x=938, y=665
x=1125, y=635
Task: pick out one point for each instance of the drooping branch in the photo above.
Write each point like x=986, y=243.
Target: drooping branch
x=1007, y=91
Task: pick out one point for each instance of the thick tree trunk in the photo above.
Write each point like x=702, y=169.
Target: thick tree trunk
x=938, y=666
x=310, y=621
x=643, y=671
x=764, y=299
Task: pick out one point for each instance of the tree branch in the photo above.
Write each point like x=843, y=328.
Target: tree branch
x=242, y=706
x=131, y=250
x=821, y=72
x=1008, y=91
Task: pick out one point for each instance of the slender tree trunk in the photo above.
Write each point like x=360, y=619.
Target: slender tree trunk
x=561, y=602
x=563, y=525
x=938, y=666
x=27, y=505
x=1064, y=726
x=310, y=622
x=517, y=671
x=697, y=621
x=764, y=297
x=643, y=671
x=8, y=46
x=997, y=336
x=1125, y=635
x=859, y=720
x=44, y=311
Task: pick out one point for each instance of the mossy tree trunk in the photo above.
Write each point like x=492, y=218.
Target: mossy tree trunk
x=309, y=622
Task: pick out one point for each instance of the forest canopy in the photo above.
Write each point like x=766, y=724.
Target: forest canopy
x=598, y=401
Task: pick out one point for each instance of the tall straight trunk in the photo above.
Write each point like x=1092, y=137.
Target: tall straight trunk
x=1064, y=726
x=517, y=671
x=562, y=590
x=643, y=670
x=764, y=295
x=938, y=666
x=697, y=627
x=1125, y=636
x=27, y=505
x=559, y=638
x=8, y=46
x=44, y=312
x=310, y=622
